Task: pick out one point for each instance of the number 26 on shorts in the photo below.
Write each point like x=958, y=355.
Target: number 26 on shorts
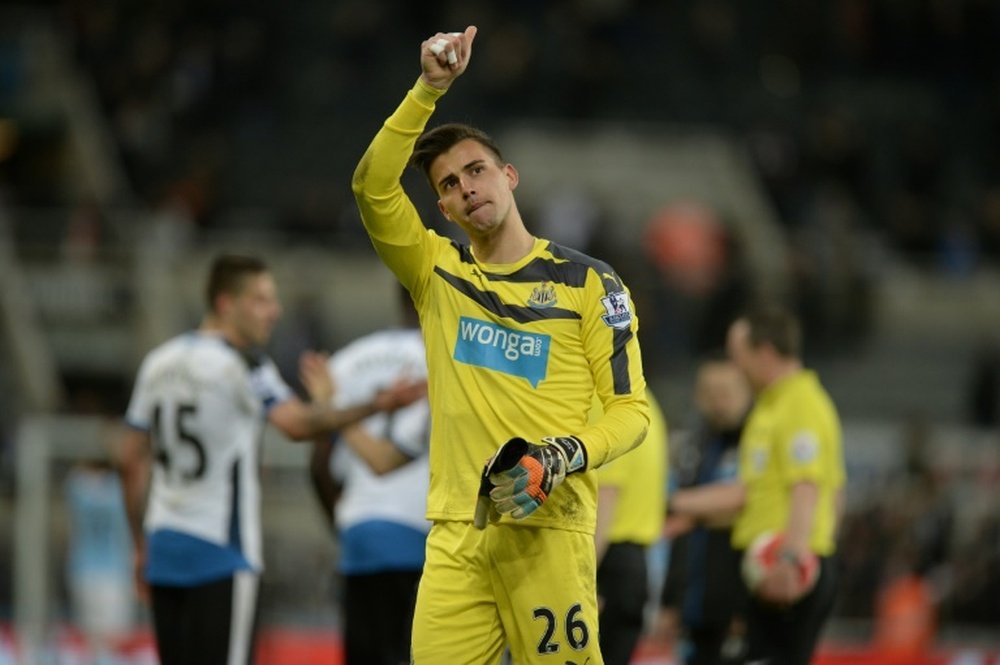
x=576, y=631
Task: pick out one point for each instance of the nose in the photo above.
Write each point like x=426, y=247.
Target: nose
x=467, y=189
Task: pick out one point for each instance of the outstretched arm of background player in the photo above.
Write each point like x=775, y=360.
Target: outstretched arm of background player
x=301, y=420
x=378, y=453
x=134, y=469
x=713, y=504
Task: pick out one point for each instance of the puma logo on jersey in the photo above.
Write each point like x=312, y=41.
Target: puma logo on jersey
x=495, y=347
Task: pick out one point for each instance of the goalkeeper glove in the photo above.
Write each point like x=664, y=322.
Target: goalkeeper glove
x=521, y=475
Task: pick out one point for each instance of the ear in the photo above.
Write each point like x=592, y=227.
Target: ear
x=769, y=351
x=223, y=302
x=512, y=175
x=443, y=211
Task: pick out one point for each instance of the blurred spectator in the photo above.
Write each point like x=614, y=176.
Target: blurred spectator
x=85, y=233
x=924, y=501
x=832, y=269
x=835, y=153
x=732, y=292
x=988, y=221
x=904, y=538
x=983, y=397
x=8, y=139
x=958, y=251
x=686, y=241
x=976, y=568
x=171, y=226
x=905, y=616
x=700, y=286
x=570, y=217
x=863, y=545
x=99, y=559
x=888, y=102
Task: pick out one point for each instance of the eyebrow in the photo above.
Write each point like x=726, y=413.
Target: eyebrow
x=474, y=162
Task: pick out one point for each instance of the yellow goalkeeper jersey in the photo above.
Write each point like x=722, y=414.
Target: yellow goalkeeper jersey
x=512, y=350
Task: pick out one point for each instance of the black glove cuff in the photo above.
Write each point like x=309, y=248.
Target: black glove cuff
x=573, y=448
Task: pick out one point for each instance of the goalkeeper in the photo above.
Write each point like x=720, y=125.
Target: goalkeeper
x=520, y=334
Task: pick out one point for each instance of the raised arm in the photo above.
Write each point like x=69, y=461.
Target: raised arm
x=376, y=177
x=389, y=216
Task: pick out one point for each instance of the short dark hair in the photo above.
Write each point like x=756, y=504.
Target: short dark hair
x=775, y=325
x=228, y=273
x=442, y=138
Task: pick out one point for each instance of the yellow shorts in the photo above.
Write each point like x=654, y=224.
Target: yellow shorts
x=531, y=589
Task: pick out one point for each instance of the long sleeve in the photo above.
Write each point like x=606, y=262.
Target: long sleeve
x=610, y=341
x=388, y=214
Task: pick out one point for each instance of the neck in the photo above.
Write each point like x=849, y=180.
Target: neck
x=783, y=369
x=211, y=324
x=510, y=244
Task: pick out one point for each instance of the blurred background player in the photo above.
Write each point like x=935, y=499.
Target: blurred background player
x=631, y=492
x=99, y=558
x=199, y=406
x=790, y=481
x=702, y=597
x=373, y=487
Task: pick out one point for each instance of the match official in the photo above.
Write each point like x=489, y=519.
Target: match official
x=791, y=480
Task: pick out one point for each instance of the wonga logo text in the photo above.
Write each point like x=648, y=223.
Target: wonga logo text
x=515, y=352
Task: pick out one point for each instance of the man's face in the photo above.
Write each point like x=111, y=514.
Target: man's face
x=722, y=394
x=474, y=190
x=252, y=313
x=748, y=358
